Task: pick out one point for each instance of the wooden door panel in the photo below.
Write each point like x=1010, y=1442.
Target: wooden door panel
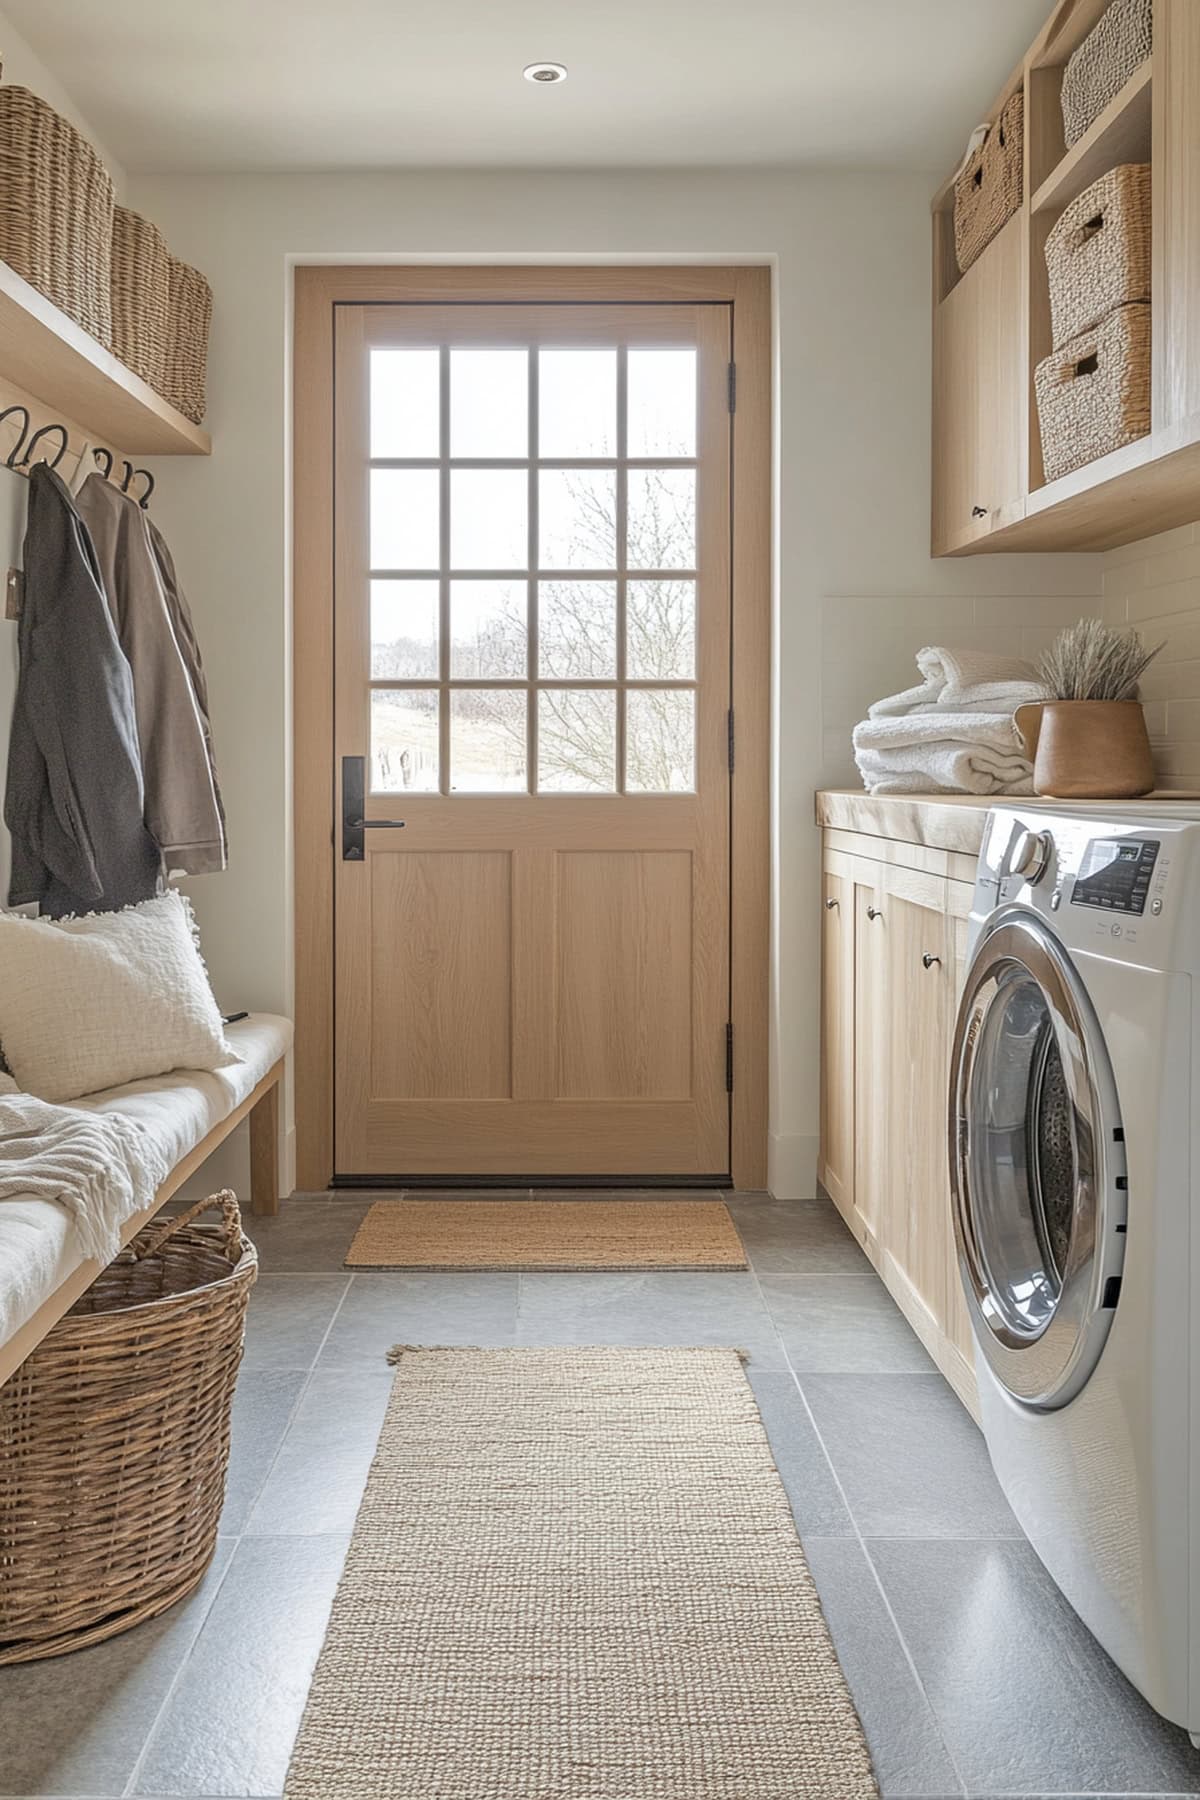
x=837, y=1034
x=919, y=1224
x=534, y=980
x=872, y=1052
x=441, y=1018
x=624, y=975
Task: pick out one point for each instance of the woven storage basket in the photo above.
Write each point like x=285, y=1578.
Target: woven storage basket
x=141, y=296
x=114, y=1439
x=1103, y=63
x=1098, y=254
x=186, y=369
x=56, y=210
x=988, y=191
x=1093, y=395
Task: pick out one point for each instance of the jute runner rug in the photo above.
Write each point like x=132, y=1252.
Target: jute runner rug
x=575, y=1576
x=547, y=1234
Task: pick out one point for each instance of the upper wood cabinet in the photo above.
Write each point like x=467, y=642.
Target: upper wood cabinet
x=979, y=462
x=991, y=326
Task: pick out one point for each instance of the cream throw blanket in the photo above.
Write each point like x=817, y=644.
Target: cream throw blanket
x=100, y=1167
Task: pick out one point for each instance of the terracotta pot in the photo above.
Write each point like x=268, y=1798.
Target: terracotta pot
x=1088, y=749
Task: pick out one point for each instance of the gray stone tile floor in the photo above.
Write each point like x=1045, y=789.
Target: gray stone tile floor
x=971, y=1674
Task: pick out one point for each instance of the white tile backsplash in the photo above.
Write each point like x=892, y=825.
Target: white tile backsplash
x=868, y=647
x=1155, y=585
x=869, y=643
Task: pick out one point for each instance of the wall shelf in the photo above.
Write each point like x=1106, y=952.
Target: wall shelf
x=46, y=354
x=1120, y=135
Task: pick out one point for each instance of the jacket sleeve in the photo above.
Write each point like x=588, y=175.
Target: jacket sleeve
x=181, y=805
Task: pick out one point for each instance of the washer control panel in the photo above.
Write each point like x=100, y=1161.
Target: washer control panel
x=1115, y=874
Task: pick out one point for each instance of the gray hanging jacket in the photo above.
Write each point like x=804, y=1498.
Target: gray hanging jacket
x=181, y=800
x=180, y=614
x=74, y=802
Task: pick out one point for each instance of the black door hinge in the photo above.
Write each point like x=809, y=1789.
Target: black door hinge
x=729, y=1058
x=729, y=730
x=732, y=387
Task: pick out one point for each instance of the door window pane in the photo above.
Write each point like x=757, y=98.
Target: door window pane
x=577, y=519
x=660, y=630
x=404, y=519
x=577, y=740
x=404, y=629
x=489, y=402
x=660, y=740
x=405, y=403
x=662, y=519
x=404, y=741
x=577, y=629
x=577, y=403
x=488, y=632
x=487, y=740
x=662, y=403
x=489, y=519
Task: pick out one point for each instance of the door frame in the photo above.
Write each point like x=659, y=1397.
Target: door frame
x=318, y=290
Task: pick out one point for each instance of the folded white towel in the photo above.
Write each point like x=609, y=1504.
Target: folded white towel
x=964, y=681
x=102, y=1167
x=935, y=751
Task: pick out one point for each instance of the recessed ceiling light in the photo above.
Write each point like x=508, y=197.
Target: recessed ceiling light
x=546, y=72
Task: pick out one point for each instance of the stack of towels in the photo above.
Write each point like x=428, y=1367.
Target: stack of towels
x=953, y=733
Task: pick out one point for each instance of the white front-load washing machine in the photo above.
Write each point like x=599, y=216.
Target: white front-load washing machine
x=1074, y=1150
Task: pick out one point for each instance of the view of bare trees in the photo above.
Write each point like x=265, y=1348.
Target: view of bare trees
x=576, y=643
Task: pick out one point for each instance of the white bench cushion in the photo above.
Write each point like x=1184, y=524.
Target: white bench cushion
x=37, y=1241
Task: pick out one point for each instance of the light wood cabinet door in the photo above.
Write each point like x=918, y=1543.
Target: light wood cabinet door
x=919, y=1233
x=979, y=396
x=871, y=1056
x=956, y=1323
x=837, y=1033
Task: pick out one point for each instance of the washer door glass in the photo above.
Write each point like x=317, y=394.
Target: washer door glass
x=1035, y=1138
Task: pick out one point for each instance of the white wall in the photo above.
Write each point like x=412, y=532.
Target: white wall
x=22, y=68
x=852, y=263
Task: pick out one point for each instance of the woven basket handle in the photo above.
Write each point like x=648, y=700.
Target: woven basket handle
x=231, y=1219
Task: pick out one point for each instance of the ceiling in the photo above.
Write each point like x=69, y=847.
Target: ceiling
x=172, y=85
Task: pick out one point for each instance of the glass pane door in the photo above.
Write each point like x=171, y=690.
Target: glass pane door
x=533, y=568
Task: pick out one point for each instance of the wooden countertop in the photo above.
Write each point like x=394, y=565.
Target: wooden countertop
x=941, y=821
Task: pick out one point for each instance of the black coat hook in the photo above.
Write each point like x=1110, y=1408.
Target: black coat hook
x=127, y=477
x=36, y=439
x=106, y=467
x=144, y=502
x=10, y=460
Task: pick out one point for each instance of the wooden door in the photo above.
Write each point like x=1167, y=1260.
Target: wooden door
x=837, y=1032
x=532, y=629
x=872, y=1053
x=918, y=1229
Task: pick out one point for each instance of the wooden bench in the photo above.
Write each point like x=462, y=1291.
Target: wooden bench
x=261, y=1106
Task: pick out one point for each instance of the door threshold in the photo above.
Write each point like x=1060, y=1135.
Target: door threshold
x=558, y=1182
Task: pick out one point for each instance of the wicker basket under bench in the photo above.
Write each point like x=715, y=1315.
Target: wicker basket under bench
x=114, y=1439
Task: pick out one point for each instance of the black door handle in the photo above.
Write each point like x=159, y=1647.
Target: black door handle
x=354, y=776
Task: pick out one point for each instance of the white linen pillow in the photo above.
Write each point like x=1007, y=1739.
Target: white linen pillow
x=92, y=1002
